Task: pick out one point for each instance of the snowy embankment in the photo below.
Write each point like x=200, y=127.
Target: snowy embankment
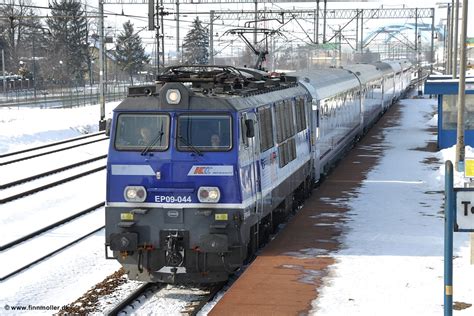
x=26, y=127
x=392, y=260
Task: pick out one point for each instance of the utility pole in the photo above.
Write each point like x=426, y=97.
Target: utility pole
x=157, y=34
x=102, y=121
x=34, y=67
x=420, y=69
x=3, y=71
x=456, y=36
x=324, y=21
x=211, y=39
x=177, y=31
x=340, y=47
x=416, y=39
x=162, y=31
x=255, y=26
x=447, y=39
x=432, y=56
x=361, y=31
x=357, y=32
x=316, y=23
x=459, y=162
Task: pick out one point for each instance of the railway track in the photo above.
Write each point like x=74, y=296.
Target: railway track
x=32, y=184
x=51, y=166
x=30, y=249
x=25, y=247
x=135, y=299
x=193, y=307
x=17, y=156
x=154, y=295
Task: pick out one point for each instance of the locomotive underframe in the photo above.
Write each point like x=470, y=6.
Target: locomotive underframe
x=157, y=244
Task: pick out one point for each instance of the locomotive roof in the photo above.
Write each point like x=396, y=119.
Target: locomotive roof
x=324, y=83
x=210, y=102
x=209, y=87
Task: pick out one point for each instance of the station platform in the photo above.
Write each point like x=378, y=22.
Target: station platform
x=370, y=239
x=286, y=276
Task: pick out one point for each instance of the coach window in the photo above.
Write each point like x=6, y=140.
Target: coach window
x=204, y=132
x=135, y=132
x=300, y=115
x=291, y=114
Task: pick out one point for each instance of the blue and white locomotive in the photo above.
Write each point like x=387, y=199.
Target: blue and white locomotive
x=205, y=163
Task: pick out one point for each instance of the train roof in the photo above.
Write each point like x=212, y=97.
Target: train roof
x=385, y=68
x=404, y=63
x=324, y=83
x=365, y=72
x=394, y=65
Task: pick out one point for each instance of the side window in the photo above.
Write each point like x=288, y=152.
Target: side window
x=243, y=130
x=300, y=115
x=290, y=118
x=266, y=128
x=285, y=120
x=280, y=123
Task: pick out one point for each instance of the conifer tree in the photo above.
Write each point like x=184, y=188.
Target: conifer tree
x=130, y=52
x=68, y=40
x=196, y=44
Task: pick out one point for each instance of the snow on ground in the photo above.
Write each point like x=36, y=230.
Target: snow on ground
x=392, y=257
x=59, y=280
x=25, y=127
x=36, y=211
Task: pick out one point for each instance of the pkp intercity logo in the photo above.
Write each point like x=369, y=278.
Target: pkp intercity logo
x=211, y=171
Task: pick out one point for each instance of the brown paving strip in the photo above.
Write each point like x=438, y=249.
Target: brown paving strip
x=285, y=278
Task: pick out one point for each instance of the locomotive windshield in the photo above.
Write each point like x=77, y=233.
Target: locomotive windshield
x=141, y=132
x=204, y=133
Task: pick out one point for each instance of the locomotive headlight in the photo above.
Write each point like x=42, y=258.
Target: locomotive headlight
x=173, y=96
x=209, y=194
x=135, y=194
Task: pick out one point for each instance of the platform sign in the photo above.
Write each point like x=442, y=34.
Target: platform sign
x=464, y=220
x=469, y=167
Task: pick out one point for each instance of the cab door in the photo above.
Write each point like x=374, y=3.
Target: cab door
x=254, y=147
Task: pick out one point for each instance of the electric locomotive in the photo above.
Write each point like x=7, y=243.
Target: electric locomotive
x=194, y=170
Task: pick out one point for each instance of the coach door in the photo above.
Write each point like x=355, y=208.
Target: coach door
x=254, y=145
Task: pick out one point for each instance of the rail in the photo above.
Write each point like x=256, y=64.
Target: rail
x=13, y=153
x=23, y=267
x=51, y=152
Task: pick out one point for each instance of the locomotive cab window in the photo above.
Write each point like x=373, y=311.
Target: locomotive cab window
x=136, y=132
x=204, y=132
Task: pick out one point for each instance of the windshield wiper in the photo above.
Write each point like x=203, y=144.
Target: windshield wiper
x=185, y=142
x=153, y=142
